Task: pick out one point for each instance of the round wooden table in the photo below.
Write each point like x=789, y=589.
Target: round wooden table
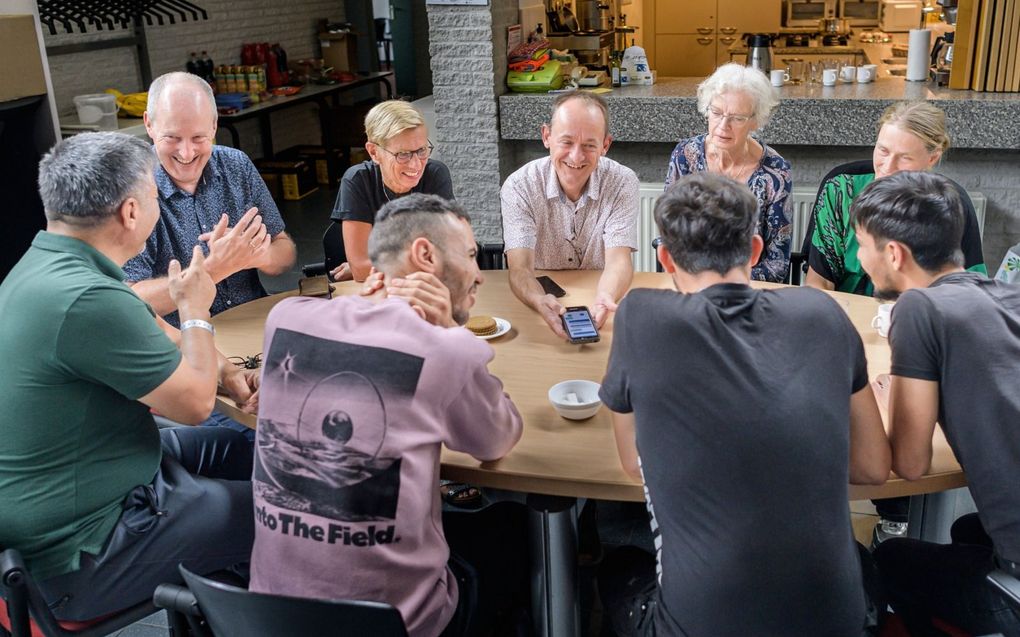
x=562, y=457
x=569, y=459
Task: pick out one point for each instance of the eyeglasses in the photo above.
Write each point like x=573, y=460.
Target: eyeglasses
x=404, y=156
x=717, y=115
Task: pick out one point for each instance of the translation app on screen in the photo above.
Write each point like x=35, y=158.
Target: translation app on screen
x=579, y=324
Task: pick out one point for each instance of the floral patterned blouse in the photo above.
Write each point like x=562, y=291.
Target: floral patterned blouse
x=771, y=185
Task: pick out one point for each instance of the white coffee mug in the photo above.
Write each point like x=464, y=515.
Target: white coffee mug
x=779, y=77
x=847, y=73
x=829, y=77
x=883, y=320
x=864, y=74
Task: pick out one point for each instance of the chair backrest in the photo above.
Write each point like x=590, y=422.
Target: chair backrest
x=859, y=167
x=490, y=256
x=333, y=246
x=236, y=612
x=24, y=612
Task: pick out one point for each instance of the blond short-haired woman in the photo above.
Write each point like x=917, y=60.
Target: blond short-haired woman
x=399, y=148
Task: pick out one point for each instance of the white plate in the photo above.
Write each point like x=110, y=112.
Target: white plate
x=502, y=327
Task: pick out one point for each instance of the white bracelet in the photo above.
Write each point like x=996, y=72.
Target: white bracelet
x=205, y=325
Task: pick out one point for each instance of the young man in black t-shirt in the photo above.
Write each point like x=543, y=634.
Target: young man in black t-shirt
x=955, y=360
x=739, y=408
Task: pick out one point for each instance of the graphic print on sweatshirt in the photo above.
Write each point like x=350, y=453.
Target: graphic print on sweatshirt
x=322, y=443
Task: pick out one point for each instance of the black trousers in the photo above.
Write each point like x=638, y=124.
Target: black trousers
x=925, y=580
x=197, y=511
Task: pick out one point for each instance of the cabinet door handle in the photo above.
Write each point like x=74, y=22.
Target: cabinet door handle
x=728, y=30
x=727, y=40
x=705, y=40
x=704, y=30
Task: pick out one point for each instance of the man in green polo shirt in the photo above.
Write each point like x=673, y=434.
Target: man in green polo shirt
x=103, y=505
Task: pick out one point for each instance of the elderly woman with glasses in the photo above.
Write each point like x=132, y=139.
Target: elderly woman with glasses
x=737, y=101
x=399, y=148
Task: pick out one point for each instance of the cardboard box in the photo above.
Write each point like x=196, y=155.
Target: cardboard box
x=316, y=155
x=272, y=183
x=297, y=177
x=21, y=73
x=339, y=50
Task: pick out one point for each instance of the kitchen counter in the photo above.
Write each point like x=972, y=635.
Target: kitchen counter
x=841, y=115
x=807, y=115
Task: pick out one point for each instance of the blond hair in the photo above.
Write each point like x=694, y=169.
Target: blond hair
x=388, y=119
x=925, y=121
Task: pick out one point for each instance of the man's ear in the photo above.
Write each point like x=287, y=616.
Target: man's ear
x=665, y=259
x=757, y=245
x=127, y=213
x=607, y=143
x=148, y=126
x=546, y=134
x=423, y=256
x=898, y=255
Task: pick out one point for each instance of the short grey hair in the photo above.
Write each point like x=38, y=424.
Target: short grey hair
x=399, y=222
x=84, y=179
x=169, y=81
x=734, y=77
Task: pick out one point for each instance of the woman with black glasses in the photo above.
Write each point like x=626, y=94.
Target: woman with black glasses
x=399, y=147
x=737, y=101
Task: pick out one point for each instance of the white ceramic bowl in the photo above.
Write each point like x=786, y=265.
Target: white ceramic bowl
x=575, y=399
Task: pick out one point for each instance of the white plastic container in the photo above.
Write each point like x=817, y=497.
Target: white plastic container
x=97, y=109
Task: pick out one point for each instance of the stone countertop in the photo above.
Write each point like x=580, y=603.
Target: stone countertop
x=841, y=115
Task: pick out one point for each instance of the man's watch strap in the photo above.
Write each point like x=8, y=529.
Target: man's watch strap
x=205, y=325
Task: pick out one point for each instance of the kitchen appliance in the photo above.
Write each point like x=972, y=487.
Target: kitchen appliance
x=949, y=10
x=807, y=13
x=859, y=13
x=942, y=58
x=899, y=15
x=592, y=16
x=833, y=26
x=759, y=52
x=561, y=18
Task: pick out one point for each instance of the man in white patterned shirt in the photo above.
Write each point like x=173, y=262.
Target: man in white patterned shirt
x=573, y=210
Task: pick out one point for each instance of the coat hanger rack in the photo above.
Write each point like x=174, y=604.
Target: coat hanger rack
x=108, y=15
x=111, y=14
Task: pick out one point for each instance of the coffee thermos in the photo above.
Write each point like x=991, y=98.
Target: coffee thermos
x=759, y=52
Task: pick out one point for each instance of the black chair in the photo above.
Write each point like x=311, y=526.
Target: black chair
x=27, y=609
x=1008, y=585
x=859, y=167
x=332, y=250
x=221, y=610
x=490, y=256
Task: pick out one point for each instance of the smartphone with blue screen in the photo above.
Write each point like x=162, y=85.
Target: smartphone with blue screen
x=579, y=325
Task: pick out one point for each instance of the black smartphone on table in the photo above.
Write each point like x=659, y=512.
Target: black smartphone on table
x=579, y=325
x=551, y=287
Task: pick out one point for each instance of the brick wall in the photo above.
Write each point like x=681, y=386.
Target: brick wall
x=230, y=23
x=468, y=48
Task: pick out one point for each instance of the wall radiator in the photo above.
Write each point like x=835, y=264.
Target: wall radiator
x=803, y=201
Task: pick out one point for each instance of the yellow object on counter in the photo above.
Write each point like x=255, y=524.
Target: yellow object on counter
x=131, y=104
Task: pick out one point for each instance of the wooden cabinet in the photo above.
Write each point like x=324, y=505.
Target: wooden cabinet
x=685, y=16
x=698, y=54
x=737, y=17
x=691, y=37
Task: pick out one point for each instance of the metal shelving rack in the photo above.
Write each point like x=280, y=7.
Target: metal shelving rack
x=111, y=15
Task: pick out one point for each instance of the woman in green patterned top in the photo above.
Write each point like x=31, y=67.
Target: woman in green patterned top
x=911, y=136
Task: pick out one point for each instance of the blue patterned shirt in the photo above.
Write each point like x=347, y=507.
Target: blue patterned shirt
x=771, y=184
x=230, y=184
